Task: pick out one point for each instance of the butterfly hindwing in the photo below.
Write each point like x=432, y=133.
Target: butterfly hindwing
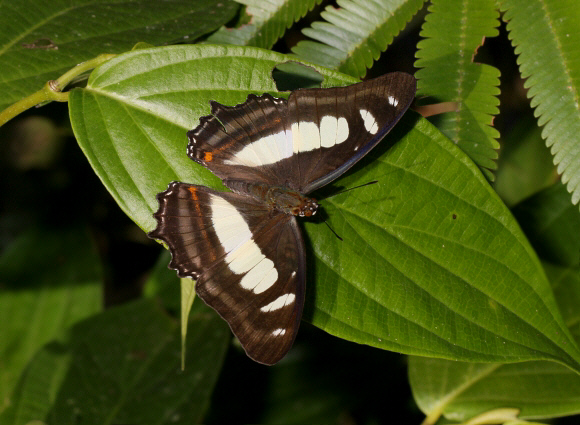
x=249, y=263
x=304, y=142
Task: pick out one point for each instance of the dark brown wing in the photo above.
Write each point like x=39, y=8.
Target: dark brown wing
x=305, y=142
x=350, y=121
x=244, y=141
x=248, y=261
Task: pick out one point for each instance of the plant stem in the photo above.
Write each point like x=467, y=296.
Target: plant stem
x=187, y=298
x=432, y=417
x=52, y=90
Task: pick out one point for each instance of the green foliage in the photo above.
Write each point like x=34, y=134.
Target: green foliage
x=115, y=370
x=546, y=39
x=51, y=279
x=552, y=224
x=354, y=35
x=268, y=20
x=381, y=241
x=431, y=262
x=453, y=31
x=463, y=390
x=39, y=41
x=525, y=164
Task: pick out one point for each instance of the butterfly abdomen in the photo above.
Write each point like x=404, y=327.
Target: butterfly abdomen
x=281, y=199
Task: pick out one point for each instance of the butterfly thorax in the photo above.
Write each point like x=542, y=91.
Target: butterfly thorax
x=277, y=198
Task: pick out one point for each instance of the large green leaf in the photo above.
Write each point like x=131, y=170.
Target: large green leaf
x=453, y=30
x=50, y=280
x=69, y=32
x=546, y=38
x=268, y=20
x=538, y=389
x=429, y=236
x=353, y=36
x=123, y=366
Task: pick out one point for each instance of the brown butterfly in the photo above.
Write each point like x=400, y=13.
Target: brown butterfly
x=244, y=248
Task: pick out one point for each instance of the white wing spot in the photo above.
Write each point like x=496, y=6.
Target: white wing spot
x=261, y=277
x=393, y=101
x=267, y=150
x=369, y=121
x=230, y=227
x=279, y=332
x=281, y=301
x=296, y=137
x=342, y=133
x=268, y=274
x=305, y=136
x=242, y=253
x=333, y=131
x=328, y=131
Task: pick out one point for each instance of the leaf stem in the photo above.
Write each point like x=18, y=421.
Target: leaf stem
x=432, y=417
x=52, y=90
x=187, y=298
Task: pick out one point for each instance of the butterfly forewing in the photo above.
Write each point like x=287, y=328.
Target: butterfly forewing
x=343, y=124
x=249, y=263
x=306, y=141
x=240, y=142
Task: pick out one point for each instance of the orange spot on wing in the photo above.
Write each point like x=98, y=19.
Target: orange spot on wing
x=193, y=192
x=208, y=156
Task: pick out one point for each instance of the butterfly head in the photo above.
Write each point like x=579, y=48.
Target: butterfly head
x=307, y=208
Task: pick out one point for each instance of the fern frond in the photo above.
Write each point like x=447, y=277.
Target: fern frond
x=453, y=31
x=355, y=35
x=269, y=19
x=546, y=36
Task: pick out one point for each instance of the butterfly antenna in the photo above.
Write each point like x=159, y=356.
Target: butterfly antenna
x=350, y=188
x=332, y=230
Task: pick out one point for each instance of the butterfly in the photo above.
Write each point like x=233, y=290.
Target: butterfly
x=244, y=248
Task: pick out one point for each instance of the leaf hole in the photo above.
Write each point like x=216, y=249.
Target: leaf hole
x=294, y=75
